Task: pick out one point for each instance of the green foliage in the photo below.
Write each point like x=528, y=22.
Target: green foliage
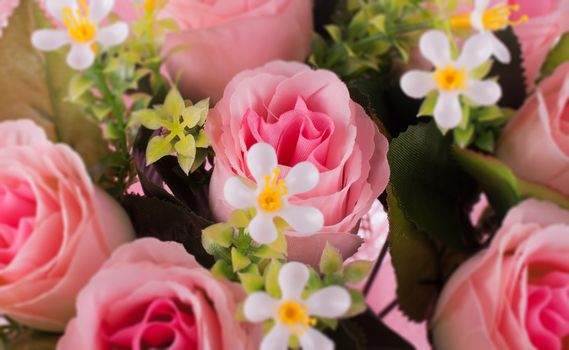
x=368, y=36
x=34, y=86
x=481, y=127
x=556, y=57
x=181, y=131
x=331, y=260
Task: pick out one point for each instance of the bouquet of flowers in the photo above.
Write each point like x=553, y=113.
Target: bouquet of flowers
x=284, y=174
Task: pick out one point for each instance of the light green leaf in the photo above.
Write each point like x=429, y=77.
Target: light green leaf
x=378, y=22
x=240, y=218
x=174, y=103
x=202, y=109
x=186, y=163
x=358, y=303
x=556, y=57
x=158, y=147
x=251, y=282
x=238, y=260
x=149, y=118
x=335, y=32
x=280, y=244
x=79, y=85
x=428, y=105
x=331, y=260
x=101, y=112
x=463, y=137
x=222, y=270
x=486, y=141
x=221, y=234
x=186, y=146
x=482, y=70
x=271, y=277
x=357, y=271
x=35, y=86
x=191, y=117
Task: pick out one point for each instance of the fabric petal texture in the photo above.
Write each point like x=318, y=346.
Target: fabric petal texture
x=262, y=229
x=80, y=57
x=418, y=84
x=50, y=39
x=448, y=113
x=239, y=195
x=330, y=302
x=259, y=307
x=292, y=280
x=435, y=47
x=113, y=34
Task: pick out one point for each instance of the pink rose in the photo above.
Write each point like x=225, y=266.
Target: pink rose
x=306, y=115
x=154, y=295
x=513, y=295
x=56, y=228
x=547, y=22
x=536, y=143
x=227, y=36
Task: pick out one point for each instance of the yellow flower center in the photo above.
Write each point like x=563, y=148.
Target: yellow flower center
x=270, y=199
x=78, y=24
x=149, y=5
x=450, y=78
x=493, y=19
x=295, y=316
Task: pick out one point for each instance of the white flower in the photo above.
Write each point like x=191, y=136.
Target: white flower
x=451, y=78
x=487, y=20
x=82, y=30
x=270, y=197
x=292, y=314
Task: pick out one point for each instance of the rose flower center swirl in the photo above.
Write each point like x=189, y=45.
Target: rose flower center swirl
x=451, y=78
x=78, y=24
x=295, y=316
x=272, y=193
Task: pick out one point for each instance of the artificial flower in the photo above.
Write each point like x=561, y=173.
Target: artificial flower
x=225, y=37
x=154, y=295
x=306, y=115
x=512, y=295
x=56, y=227
x=451, y=78
x=82, y=30
x=293, y=314
x=270, y=196
x=488, y=20
x=535, y=145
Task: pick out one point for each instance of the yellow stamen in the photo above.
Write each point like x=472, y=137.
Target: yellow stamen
x=149, y=5
x=295, y=316
x=270, y=199
x=493, y=19
x=78, y=24
x=451, y=78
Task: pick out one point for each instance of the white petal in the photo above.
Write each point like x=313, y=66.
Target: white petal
x=476, y=50
x=80, y=57
x=417, y=84
x=307, y=220
x=330, y=302
x=259, y=307
x=50, y=39
x=448, y=113
x=302, y=178
x=501, y=51
x=113, y=34
x=312, y=339
x=435, y=47
x=484, y=93
x=261, y=160
x=292, y=280
x=238, y=195
x=481, y=5
x=262, y=229
x=99, y=9
x=276, y=339
x=55, y=7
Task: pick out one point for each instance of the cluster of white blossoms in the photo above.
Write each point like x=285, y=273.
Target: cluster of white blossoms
x=451, y=77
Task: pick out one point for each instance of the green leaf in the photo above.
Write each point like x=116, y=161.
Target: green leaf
x=331, y=260
x=428, y=106
x=251, y=282
x=357, y=271
x=495, y=178
x=158, y=147
x=150, y=118
x=485, y=141
x=482, y=70
x=186, y=146
x=222, y=270
x=202, y=141
x=191, y=117
x=378, y=22
x=79, y=85
x=174, y=103
x=358, y=303
x=238, y=260
x=431, y=189
x=35, y=86
x=556, y=57
x=462, y=137
x=335, y=32
x=221, y=234
x=240, y=218
x=186, y=163
x=271, y=277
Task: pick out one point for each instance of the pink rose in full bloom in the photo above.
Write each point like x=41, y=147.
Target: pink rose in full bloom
x=514, y=294
x=306, y=115
x=547, y=22
x=154, y=295
x=536, y=142
x=225, y=37
x=56, y=227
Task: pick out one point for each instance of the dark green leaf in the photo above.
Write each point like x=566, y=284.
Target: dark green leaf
x=556, y=57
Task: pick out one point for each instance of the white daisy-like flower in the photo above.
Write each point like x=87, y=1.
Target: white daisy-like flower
x=293, y=314
x=488, y=20
x=270, y=195
x=451, y=78
x=82, y=30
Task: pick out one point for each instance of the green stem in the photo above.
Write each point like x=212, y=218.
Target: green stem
x=529, y=189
